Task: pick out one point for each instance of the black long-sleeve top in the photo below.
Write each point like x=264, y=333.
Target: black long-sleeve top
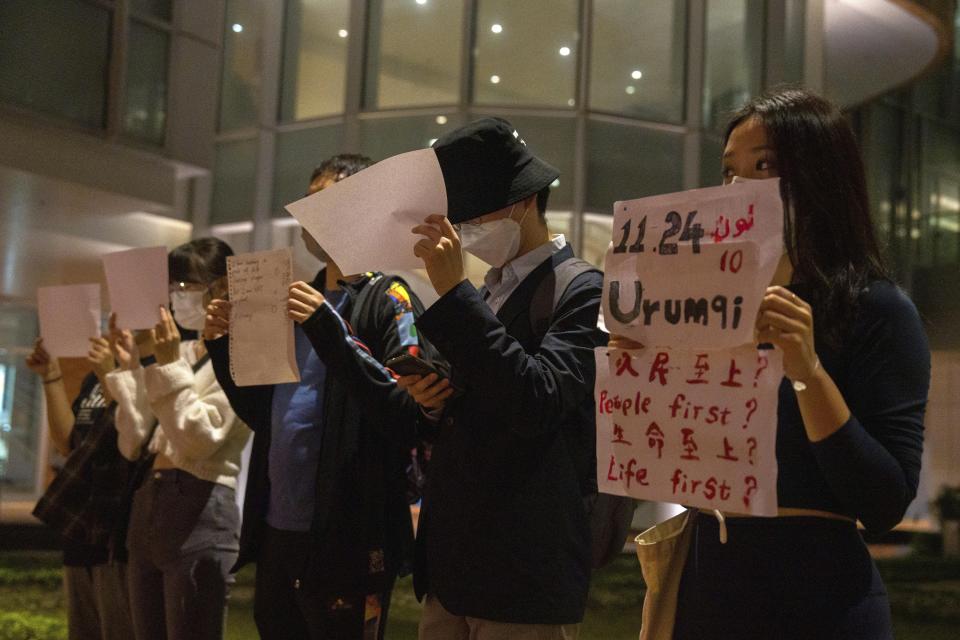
x=870, y=467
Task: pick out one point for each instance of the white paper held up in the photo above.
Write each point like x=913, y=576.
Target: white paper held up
x=138, y=284
x=363, y=222
x=69, y=317
x=262, y=349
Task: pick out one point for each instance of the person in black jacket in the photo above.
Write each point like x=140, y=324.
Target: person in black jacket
x=503, y=545
x=325, y=516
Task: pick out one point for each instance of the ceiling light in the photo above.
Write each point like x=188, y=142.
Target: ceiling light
x=571, y=102
x=637, y=74
x=343, y=33
x=441, y=119
x=495, y=79
x=237, y=27
x=421, y=2
x=564, y=51
x=430, y=143
x=631, y=90
x=555, y=183
x=496, y=28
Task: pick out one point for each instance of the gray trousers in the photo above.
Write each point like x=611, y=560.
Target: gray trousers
x=183, y=540
x=98, y=607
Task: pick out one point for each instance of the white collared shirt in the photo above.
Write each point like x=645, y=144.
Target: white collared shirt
x=504, y=281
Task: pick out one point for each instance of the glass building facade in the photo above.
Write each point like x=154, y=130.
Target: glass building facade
x=627, y=98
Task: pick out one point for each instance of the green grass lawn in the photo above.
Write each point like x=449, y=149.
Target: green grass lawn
x=924, y=594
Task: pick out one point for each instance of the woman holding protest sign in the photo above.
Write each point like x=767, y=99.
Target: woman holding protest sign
x=184, y=527
x=851, y=405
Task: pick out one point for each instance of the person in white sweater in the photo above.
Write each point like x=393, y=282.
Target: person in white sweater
x=183, y=537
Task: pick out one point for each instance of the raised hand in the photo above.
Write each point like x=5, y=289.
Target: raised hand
x=166, y=339
x=440, y=251
x=123, y=346
x=42, y=364
x=101, y=357
x=218, y=319
x=304, y=300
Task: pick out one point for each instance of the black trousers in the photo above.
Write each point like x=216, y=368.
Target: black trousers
x=285, y=608
x=784, y=578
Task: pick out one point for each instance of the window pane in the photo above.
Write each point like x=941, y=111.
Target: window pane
x=234, y=181
x=145, y=115
x=21, y=398
x=627, y=162
x=401, y=71
x=552, y=139
x=298, y=153
x=637, y=63
x=53, y=58
x=526, y=52
x=314, y=58
x=240, y=81
x=711, y=154
x=160, y=9
x=733, y=58
x=384, y=137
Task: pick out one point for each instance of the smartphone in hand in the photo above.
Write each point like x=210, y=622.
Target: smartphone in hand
x=407, y=364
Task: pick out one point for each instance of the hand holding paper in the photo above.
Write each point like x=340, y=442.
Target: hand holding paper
x=217, y=322
x=123, y=346
x=303, y=302
x=42, y=364
x=100, y=357
x=166, y=341
x=441, y=253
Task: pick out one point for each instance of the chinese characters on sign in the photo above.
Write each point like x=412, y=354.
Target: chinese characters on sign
x=691, y=418
x=696, y=428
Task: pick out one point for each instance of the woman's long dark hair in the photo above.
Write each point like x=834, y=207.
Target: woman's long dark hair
x=200, y=261
x=828, y=230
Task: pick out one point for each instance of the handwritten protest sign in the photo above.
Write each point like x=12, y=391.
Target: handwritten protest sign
x=262, y=349
x=695, y=428
x=364, y=222
x=69, y=317
x=692, y=417
x=138, y=284
x=691, y=268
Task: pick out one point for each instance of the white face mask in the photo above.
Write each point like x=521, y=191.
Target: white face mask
x=188, y=309
x=496, y=242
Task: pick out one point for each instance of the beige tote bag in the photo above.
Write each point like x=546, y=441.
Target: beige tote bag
x=662, y=551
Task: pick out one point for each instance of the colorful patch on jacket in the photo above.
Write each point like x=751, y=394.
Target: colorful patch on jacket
x=403, y=315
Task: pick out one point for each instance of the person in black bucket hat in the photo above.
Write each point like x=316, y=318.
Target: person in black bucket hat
x=503, y=548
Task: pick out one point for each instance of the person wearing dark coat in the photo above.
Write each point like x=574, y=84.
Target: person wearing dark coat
x=503, y=545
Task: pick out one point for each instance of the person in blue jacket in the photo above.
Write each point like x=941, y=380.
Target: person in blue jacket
x=326, y=518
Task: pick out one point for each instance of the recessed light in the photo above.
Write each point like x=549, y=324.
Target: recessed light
x=343, y=33
x=421, y=2
x=555, y=183
x=496, y=28
x=631, y=90
x=237, y=27
x=495, y=79
x=571, y=102
x=564, y=51
x=637, y=74
x=430, y=143
x=441, y=119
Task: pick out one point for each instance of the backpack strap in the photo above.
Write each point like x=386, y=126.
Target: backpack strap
x=551, y=289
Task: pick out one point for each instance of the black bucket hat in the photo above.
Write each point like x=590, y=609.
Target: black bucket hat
x=487, y=166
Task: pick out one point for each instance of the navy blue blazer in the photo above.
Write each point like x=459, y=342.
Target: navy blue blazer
x=503, y=533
